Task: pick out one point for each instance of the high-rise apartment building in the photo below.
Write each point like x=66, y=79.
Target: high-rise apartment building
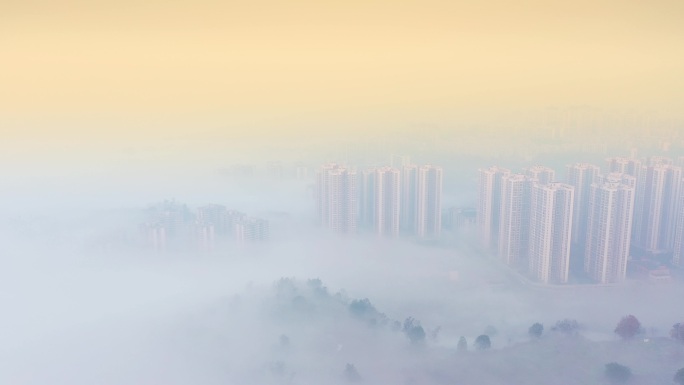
x=542, y=174
x=611, y=207
x=678, y=254
x=489, y=204
x=581, y=176
x=459, y=219
x=301, y=171
x=659, y=185
x=429, y=202
x=251, y=230
x=155, y=236
x=367, y=197
x=387, y=203
x=409, y=198
x=204, y=236
x=337, y=198
x=629, y=166
x=514, y=223
x=221, y=219
x=550, y=232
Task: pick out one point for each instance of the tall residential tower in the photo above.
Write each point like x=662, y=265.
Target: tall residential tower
x=611, y=207
x=489, y=204
x=550, y=232
x=337, y=198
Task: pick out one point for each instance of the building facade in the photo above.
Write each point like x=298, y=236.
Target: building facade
x=337, y=198
x=551, y=232
x=429, y=202
x=611, y=208
x=489, y=204
x=514, y=223
x=387, y=202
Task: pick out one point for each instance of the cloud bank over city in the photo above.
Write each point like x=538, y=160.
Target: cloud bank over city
x=343, y=192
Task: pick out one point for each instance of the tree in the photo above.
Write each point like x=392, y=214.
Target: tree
x=462, y=345
x=490, y=330
x=536, y=330
x=677, y=332
x=284, y=341
x=362, y=308
x=628, y=327
x=435, y=333
x=351, y=374
x=617, y=373
x=483, y=342
x=414, y=331
x=679, y=377
x=567, y=326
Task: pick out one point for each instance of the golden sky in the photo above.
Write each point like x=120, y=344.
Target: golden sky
x=144, y=69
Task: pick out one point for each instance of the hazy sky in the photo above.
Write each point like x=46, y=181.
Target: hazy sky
x=142, y=70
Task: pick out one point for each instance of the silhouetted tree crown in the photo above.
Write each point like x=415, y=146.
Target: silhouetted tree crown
x=414, y=331
x=462, y=345
x=628, y=327
x=490, y=331
x=351, y=374
x=483, y=342
x=679, y=377
x=284, y=341
x=567, y=326
x=536, y=330
x=617, y=373
x=362, y=307
x=677, y=331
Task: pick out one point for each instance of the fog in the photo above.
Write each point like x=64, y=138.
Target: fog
x=82, y=304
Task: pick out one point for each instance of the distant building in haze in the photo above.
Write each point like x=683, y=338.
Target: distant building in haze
x=387, y=202
x=429, y=202
x=659, y=185
x=542, y=174
x=490, y=182
x=337, y=198
x=409, y=198
x=609, y=229
x=251, y=230
x=678, y=254
x=459, y=218
x=514, y=223
x=550, y=232
x=581, y=176
x=367, y=197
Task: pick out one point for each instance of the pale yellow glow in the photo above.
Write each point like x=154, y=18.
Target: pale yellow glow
x=138, y=70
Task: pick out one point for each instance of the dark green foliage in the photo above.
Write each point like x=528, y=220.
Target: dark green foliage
x=628, y=327
x=679, y=377
x=536, y=330
x=483, y=342
x=617, y=373
x=462, y=345
x=351, y=374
